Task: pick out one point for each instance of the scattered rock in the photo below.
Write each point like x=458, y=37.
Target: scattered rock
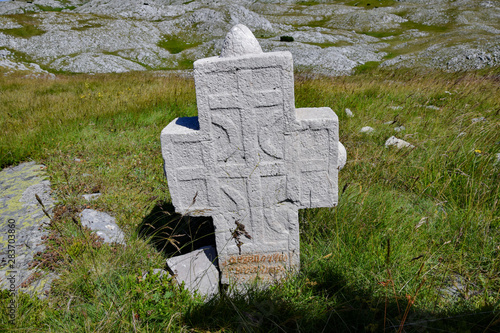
x=475, y=120
x=367, y=130
x=197, y=270
x=399, y=128
x=393, y=141
x=349, y=113
x=124, y=35
x=161, y=273
x=103, y=224
x=90, y=197
x=498, y=159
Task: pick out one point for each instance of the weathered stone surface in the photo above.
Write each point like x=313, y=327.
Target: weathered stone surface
x=197, y=270
x=251, y=160
x=103, y=224
x=342, y=156
x=393, y=141
x=240, y=41
x=22, y=226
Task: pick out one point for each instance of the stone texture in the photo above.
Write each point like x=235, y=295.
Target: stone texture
x=103, y=224
x=366, y=129
x=197, y=270
x=21, y=216
x=250, y=160
x=240, y=41
x=91, y=197
x=393, y=141
x=342, y=156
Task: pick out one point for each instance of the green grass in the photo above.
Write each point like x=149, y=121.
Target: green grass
x=410, y=223
x=174, y=44
x=86, y=24
x=54, y=9
x=366, y=67
x=29, y=26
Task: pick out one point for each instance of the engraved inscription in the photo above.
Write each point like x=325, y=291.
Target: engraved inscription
x=256, y=264
x=258, y=258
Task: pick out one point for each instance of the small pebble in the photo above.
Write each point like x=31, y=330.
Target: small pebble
x=90, y=197
x=393, y=141
x=349, y=113
x=399, y=128
x=367, y=129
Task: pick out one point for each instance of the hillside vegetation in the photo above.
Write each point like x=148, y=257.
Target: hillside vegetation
x=413, y=246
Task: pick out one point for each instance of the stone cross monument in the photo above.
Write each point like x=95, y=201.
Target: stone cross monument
x=251, y=160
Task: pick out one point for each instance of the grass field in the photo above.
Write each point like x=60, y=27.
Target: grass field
x=413, y=246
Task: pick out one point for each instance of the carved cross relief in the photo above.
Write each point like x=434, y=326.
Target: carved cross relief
x=250, y=160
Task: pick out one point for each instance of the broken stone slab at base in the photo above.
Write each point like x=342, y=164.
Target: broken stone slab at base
x=103, y=224
x=197, y=270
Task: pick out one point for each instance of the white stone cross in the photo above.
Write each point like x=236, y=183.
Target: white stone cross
x=250, y=160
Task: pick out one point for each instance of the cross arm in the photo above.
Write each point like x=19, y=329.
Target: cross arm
x=184, y=154
x=317, y=153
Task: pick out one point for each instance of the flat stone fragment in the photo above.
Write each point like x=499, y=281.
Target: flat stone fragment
x=349, y=113
x=197, y=270
x=393, y=141
x=103, y=224
x=251, y=160
x=366, y=129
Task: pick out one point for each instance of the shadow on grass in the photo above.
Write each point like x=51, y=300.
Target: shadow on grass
x=174, y=234
x=327, y=305
x=317, y=300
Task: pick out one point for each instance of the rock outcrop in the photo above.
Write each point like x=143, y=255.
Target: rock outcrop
x=330, y=38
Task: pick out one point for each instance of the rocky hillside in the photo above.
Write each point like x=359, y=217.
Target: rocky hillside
x=331, y=37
